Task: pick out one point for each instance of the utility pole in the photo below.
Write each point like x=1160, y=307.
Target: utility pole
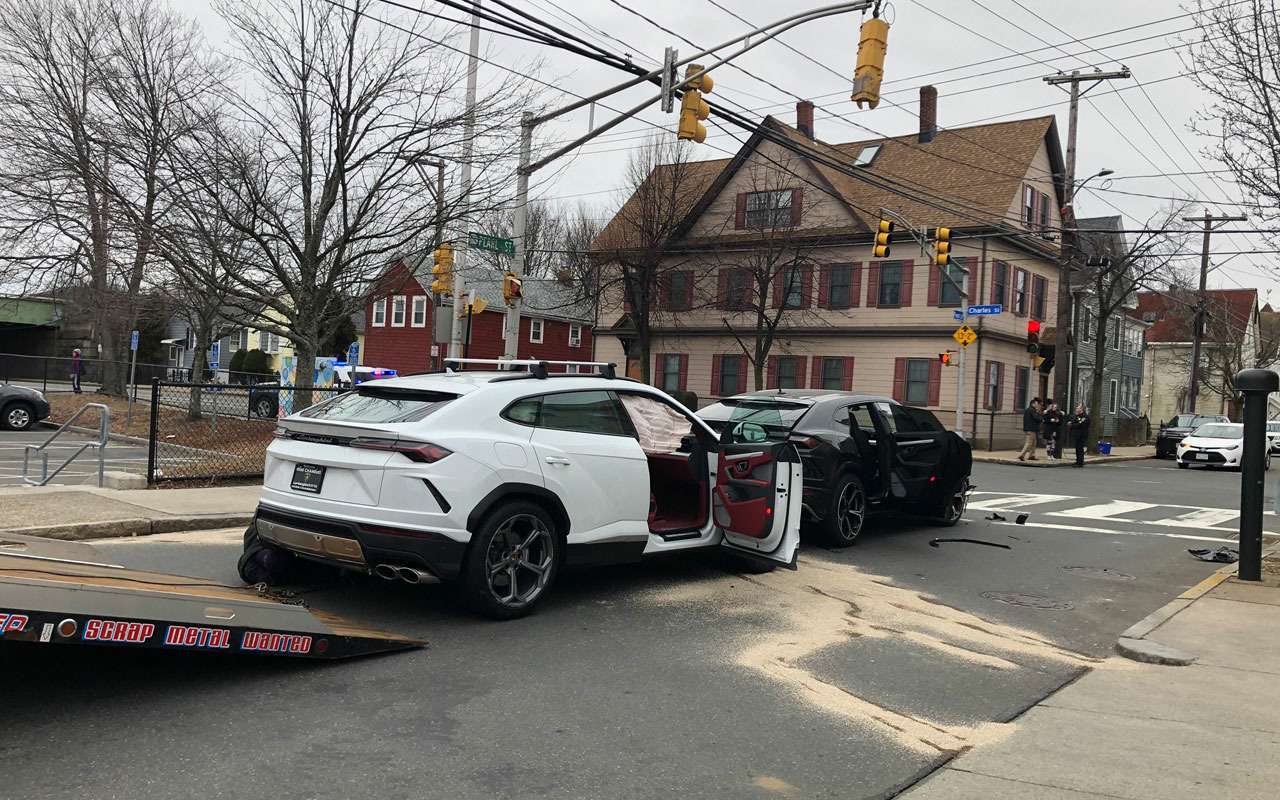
x=456, y=332
x=1197, y=335
x=1064, y=344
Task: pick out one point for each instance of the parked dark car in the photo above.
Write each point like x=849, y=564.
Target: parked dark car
x=862, y=455
x=1178, y=428
x=264, y=399
x=20, y=407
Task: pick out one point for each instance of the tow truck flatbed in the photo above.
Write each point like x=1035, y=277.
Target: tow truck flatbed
x=65, y=593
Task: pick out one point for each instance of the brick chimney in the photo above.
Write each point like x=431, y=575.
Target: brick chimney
x=804, y=117
x=928, y=113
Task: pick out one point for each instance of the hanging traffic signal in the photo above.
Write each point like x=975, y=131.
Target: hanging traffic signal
x=511, y=288
x=442, y=283
x=884, y=238
x=1033, y=337
x=693, y=108
x=873, y=41
x=942, y=247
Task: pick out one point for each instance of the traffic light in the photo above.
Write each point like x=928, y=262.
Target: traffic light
x=945, y=358
x=511, y=287
x=693, y=108
x=884, y=238
x=942, y=247
x=873, y=41
x=1033, y=337
x=442, y=283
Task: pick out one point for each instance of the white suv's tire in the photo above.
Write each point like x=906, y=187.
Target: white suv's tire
x=512, y=562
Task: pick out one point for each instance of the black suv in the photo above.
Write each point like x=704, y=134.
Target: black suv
x=1179, y=428
x=861, y=454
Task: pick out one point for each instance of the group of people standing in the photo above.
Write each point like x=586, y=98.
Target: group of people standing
x=1044, y=419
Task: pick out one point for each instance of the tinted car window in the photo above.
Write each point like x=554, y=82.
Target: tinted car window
x=861, y=416
x=585, y=412
x=525, y=411
x=379, y=404
x=886, y=414
x=904, y=421
x=924, y=420
x=776, y=418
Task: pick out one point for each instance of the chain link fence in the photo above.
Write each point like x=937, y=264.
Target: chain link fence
x=217, y=431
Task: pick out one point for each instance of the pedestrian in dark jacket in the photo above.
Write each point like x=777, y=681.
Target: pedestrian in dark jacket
x=1052, y=426
x=1078, y=431
x=77, y=367
x=1031, y=421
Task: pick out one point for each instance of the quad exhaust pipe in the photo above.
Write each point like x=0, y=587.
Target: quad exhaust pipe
x=395, y=572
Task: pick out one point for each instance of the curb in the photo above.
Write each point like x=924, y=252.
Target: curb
x=1058, y=462
x=139, y=526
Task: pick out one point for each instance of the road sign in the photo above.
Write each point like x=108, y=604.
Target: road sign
x=958, y=315
x=965, y=336
x=495, y=244
x=353, y=353
x=985, y=311
x=133, y=342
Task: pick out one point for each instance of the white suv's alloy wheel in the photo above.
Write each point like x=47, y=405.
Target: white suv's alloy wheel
x=518, y=560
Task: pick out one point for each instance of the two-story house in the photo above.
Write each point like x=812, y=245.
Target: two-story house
x=779, y=237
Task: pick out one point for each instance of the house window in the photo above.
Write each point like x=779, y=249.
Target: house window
x=1085, y=324
x=832, y=373
x=738, y=290
x=1021, y=382
x=1112, y=393
x=1020, y=292
x=890, y=283
x=575, y=335
x=951, y=279
x=794, y=294
x=1000, y=283
x=270, y=342
x=1115, y=334
x=1028, y=205
x=917, y=382
x=679, y=288
x=789, y=372
x=380, y=312
x=867, y=154
x=993, y=390
x=535, y=331
x=732, y=377
x=1040, y=290
x=840, y=287
x=769, y=209
x=670, y=375
x=397, y=311
x=1035, y=209
x=419, y=319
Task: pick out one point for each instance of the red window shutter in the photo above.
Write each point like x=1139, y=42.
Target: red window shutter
x=824, y=285
x=1039, y=288
x=935, y=381
x=1018, y=378
x=935, y=278
x=797, y=205
x=900, y=379
x=779, y=279
x=908, y=267
x=873, y=285
x=771, y=373
x=715, y=375
x=806, y=287
x=686, y=302
x=684, y=372
x=801, y=363
x=815, y=373
x=740, y=215
x=986, y=390
x=855, y=285
x=999, y=385
x=848, y=374
x=722, y=289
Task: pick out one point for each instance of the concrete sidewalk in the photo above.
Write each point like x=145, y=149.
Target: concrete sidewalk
x=1130, y=730
x=83, y=512
x=1118, y=454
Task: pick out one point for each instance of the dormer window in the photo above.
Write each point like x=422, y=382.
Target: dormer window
x=867, y=154
x=769, y=209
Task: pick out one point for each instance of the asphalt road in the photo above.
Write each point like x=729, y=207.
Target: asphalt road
x=118, y=457
x=851, y=677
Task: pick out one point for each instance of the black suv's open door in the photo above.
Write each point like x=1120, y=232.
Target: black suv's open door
x=753, y=503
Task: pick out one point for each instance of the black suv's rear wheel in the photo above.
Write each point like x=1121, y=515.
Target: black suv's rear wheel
x=847, y=513
x=512, y=561
x=951, y=507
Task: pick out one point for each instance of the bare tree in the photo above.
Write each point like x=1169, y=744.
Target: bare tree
x=340, y=107
x=1229, y=349
x=661, y=185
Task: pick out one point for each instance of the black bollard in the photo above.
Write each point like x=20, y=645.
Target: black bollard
x=1255, y=385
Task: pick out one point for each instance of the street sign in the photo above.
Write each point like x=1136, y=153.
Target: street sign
x=985, y=311
x=965, y=336
x=353, y=353
x=495, y=244
x=958, y=315
x=133, y=342
x=435, y=350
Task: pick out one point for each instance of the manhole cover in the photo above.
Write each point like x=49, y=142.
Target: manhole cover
x=1028, y=600
x=1100, y=572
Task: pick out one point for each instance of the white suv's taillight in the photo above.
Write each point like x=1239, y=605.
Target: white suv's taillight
x=422, y=452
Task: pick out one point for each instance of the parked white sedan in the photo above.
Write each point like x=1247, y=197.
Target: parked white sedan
x=1217, y=444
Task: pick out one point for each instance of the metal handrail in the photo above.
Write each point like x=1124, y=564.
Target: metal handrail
x=104, y=425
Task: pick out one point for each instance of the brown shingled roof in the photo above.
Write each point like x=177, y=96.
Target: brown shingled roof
x=1171, y=313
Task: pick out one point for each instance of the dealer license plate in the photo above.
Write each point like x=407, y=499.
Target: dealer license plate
x=1199, y=457
x=307, y=478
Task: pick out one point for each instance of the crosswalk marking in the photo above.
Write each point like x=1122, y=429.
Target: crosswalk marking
x=1202, y=518
x=1015, y=501
x=1209, y=522
x=1105, y=510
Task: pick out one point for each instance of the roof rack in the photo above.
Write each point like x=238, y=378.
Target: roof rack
x=535, y=367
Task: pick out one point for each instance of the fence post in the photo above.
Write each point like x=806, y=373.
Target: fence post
x=152, y=432
x=991, y=431
x=44, y=379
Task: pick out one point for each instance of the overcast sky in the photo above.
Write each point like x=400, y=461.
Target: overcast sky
x=1137, y=133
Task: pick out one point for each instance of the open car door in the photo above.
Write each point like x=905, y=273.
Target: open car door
x=756, y=501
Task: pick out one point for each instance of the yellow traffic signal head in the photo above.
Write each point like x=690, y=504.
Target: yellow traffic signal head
x=942, y=235
x=884, y=238
x=692, y=109
x=443, y=270
x=873, y=41
x=942, y=254
x=511, y=287
x=702, y=83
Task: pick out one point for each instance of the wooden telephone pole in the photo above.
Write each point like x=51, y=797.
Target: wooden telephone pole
x=1197, y=335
